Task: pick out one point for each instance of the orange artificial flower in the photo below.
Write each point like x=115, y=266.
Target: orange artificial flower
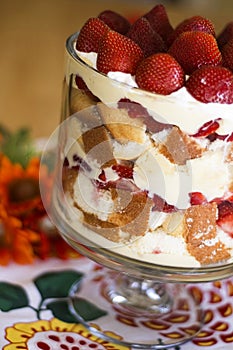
x=22, y=236
x=19, y=187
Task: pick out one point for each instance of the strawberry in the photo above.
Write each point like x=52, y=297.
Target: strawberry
x=194, y=49
x=118, y=53
x=159, y=21
x=211, y=84
x=144, y=35
x=154, y=126
x=225, y=216
x=115, y=21
x=123, y=171
x=195, y=23
x=225, y=35
x=160, y=73
x=227, y=55
x=134, y=109
x=197, y=198
x=90, y=35
x=207, y=129
x=162, y=206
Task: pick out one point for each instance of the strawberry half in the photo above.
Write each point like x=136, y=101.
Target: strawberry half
x=115, y=21
x=211, y=84
x=195, y=23
x=195, y=49
x=225, y=35
x=144, y=35
x=207, y=129
x=91, y=34
x=118, y=53
x=225, y=216
x=227, y=55
x=160, y=73
x=159, y=21
x=123, y=171
x=197, y=198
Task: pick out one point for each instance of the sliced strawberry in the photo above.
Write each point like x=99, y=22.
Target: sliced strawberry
x=144, y=35
x=102, y=176
x=154, y=126
x=211, y=84
x=159, y=21
x=91, y=34
x=118, y=53
x=225, y=35
x=197, y=198
x=162, y=206
x=229, y=137
x=134, y=109
x=225, y=216
x=214, y=136
x=121, y=183
x=195, y=49
x=227, y=55
x=115, y=21
x=195, y=23
x=123, y=171
x=160, y=73
x=207, y=129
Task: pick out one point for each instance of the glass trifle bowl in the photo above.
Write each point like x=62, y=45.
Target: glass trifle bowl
x=140, y=182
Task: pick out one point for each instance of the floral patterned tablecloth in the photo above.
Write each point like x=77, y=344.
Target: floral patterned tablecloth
x=34, y=313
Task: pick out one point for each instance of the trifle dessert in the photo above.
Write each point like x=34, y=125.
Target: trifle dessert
x=148, y=162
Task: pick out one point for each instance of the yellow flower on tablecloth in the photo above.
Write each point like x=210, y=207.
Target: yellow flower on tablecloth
x=55, y=334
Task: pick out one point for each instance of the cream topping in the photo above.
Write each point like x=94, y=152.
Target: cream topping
x=178, y=108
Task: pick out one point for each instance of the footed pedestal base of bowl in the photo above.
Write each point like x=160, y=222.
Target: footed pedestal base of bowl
x=143, y=313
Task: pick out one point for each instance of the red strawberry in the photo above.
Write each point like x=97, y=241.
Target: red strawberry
x=118, y=53
x=211, y=84
x=225, y=216
x=195, y=23
x=160, y=73
x=225, y=35
x=144, y=35
x=197, y=198
x=207, y=129
x=227, y=55
x=162, y=206
x=123, y=171
x=115, y=21
x=195, y=49
x=91, y=34
x=134, y=109
x=159, y=21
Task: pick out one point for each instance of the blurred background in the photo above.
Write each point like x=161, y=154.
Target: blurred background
x=32, y=40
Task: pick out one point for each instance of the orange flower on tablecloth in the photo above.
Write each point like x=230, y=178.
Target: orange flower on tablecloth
x=55, y=334
x=23, y=237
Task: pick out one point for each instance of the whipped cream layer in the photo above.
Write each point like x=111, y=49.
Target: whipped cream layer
x=178, y=108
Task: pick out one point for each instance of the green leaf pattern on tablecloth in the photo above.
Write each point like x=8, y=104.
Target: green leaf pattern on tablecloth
x=54, y=288
x=12, y=297
x=57, y=284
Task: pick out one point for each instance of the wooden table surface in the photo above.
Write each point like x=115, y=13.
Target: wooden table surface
x=32, y=37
